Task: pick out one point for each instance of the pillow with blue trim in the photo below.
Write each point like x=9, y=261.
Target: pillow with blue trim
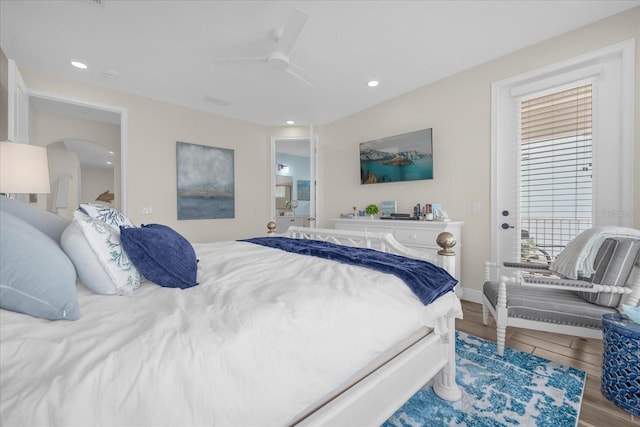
x=106, y=214
x=95, y=249
x=161, y=255
x=36, y=277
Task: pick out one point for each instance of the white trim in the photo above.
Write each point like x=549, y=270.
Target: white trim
x=586, y=66
x=124, y=132
x=472, y=295
x=572, y=78
x=313, y=172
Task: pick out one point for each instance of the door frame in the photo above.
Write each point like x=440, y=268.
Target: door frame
x=124, y=132
x=313, y=174
x=609, y=208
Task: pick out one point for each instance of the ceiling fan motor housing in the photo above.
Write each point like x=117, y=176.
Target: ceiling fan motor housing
x=278, y=60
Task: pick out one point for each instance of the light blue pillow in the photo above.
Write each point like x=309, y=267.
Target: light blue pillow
x=36, y=277
x=50, y=224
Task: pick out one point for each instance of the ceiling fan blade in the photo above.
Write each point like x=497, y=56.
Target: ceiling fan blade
x=300, y=77
x=291, y=30
x=302, y=74
x=253, y=60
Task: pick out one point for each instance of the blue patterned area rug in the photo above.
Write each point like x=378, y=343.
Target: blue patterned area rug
x=517, y=389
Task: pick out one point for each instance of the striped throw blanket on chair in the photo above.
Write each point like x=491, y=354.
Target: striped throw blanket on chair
x=578, y=256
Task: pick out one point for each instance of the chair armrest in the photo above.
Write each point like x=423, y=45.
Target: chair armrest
x=555, y=282
x=526, y=266
x=493, y=271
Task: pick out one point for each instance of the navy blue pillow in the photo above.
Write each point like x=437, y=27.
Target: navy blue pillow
x=161, y=255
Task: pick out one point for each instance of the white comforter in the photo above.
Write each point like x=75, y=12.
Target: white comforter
x=262, y=337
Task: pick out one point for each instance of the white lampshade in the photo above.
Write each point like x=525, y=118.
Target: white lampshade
x=23, y=168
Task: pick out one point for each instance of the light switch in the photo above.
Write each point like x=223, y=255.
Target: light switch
x=146, y=210
x=475, y=208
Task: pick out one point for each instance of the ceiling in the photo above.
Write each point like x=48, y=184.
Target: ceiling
x=171, y=50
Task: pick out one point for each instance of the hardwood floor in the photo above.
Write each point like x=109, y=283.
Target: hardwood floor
x=581, y=353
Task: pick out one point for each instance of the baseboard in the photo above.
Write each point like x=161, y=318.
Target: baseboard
x=472, y=295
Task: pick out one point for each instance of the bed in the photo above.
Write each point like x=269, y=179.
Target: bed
x=266, y=338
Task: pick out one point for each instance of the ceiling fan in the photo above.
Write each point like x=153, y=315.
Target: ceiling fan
x=279, y=58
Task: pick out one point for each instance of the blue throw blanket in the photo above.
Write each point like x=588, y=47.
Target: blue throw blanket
x=427, y=281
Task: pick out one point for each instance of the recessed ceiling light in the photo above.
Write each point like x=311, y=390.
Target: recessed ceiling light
x=373, y=83
x=79, y=64
x=291, y=122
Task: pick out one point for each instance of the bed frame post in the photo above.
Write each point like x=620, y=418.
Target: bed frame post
x=446, y=386
x=447, y=255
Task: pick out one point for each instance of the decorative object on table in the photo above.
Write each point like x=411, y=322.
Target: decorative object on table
x=371, y=210
x=443, y=216
x=516, y=389
x=406, y=157
x=105, y=196
x=206, y=182
x=436, y=209
x=621, y=362
x=428, y=212
x=388, y=207
x=632, y=312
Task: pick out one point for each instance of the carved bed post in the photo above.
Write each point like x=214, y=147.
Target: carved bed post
x=271, y=226
x=446, y=386
x=447, y=241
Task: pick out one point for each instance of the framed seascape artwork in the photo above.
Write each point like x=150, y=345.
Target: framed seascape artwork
x=304, y=190
x=206, y=182
x=406, y=157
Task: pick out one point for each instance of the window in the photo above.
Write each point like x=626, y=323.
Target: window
x=555, y=170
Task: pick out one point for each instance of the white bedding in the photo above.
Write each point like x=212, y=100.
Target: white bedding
x=262, y=337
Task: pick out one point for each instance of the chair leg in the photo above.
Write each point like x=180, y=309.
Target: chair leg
x=501, y=333
x=502, y=314
x=485, y=314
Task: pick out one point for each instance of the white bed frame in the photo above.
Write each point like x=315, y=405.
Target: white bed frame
x=377, y=396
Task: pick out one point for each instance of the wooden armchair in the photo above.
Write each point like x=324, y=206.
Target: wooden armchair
x=530, y=296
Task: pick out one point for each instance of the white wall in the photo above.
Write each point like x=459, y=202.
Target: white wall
x=153, y=127
x=458, y=110
x=95, y=181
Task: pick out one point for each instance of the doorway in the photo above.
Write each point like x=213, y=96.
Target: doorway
x=98, y=147
x=293, y=182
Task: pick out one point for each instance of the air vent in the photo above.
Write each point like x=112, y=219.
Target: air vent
x=99, y=3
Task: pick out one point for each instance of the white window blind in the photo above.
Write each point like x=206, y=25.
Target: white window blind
x=555, y=170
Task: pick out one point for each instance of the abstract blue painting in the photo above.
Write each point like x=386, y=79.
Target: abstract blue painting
x=206, y=182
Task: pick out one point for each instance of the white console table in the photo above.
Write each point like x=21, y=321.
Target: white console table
x=415, y=234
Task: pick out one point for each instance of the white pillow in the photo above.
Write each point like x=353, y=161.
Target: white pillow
x=106, y=214
x=100, y=260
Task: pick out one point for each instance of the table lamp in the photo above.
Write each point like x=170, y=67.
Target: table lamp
x=23, y=169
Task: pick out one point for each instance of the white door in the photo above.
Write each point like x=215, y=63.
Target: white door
x=18, y=114
x=611, y=71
